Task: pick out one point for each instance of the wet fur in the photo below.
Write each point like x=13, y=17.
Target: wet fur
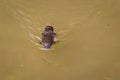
x=48, y=36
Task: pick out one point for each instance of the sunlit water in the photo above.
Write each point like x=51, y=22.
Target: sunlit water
x=88, y=31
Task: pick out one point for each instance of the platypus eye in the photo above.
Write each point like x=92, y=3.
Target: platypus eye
x=46, y=29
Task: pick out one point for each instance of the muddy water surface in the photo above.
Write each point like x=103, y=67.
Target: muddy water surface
x=88, y=31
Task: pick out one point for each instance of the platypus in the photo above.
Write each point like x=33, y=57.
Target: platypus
x=48, y=37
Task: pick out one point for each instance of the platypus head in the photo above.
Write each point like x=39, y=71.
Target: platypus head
x=49, y=28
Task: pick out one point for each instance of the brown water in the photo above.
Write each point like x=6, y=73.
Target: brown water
x=88, y=31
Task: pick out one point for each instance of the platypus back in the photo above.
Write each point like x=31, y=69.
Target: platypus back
x=48, y=37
